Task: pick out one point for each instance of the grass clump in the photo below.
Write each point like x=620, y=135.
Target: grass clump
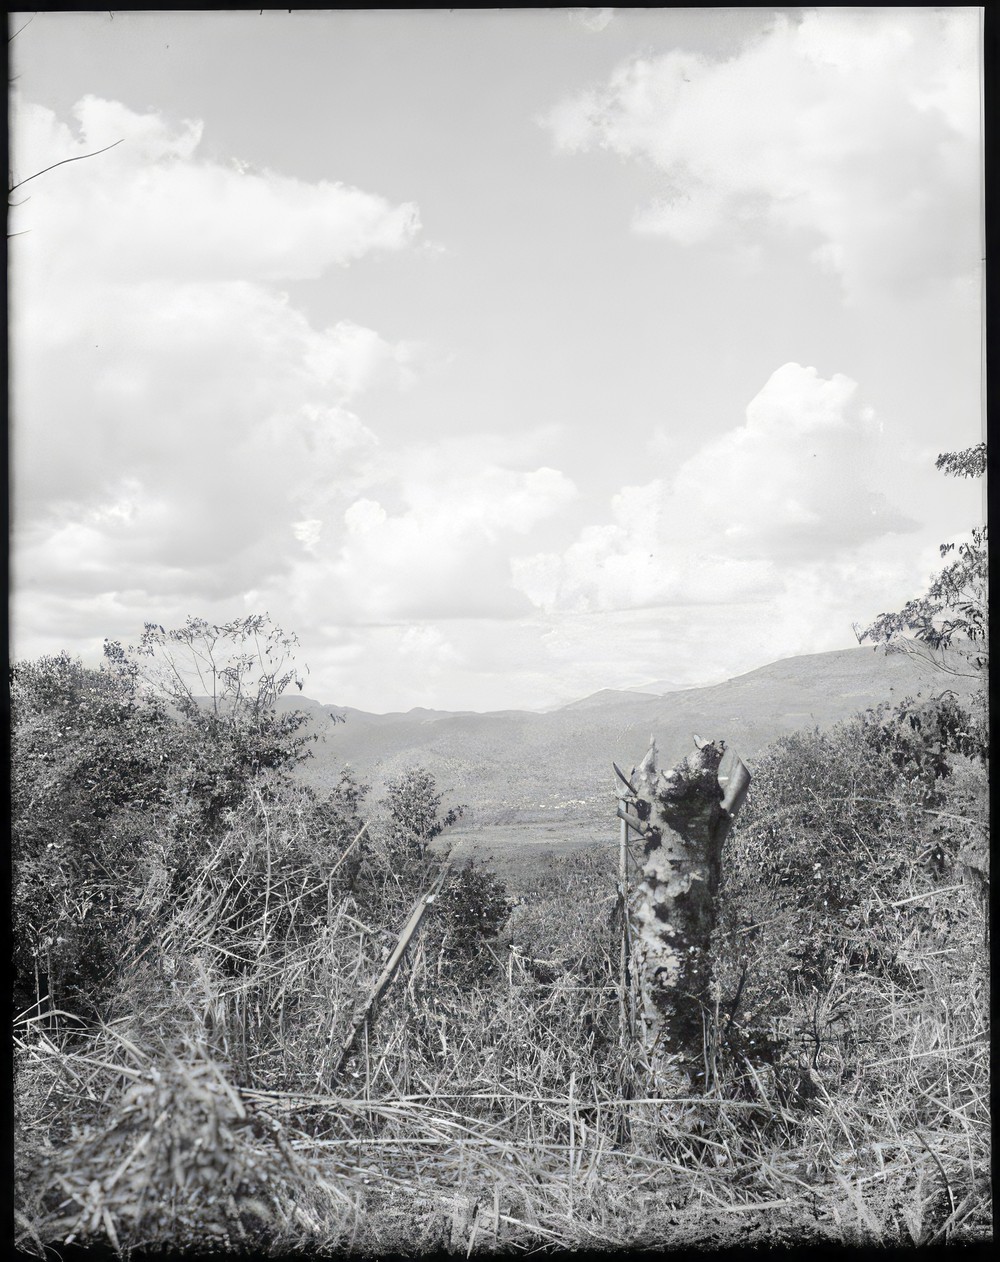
x=171, y=1154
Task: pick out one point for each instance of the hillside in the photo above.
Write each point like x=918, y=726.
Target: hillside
x=545, y=779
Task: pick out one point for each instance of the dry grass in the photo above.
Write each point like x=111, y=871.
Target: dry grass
x=505, y=1115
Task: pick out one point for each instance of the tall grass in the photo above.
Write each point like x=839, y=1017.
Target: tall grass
x=500, y=1107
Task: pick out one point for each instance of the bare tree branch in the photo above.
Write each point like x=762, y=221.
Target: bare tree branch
x=11, y=38
x=79, y=158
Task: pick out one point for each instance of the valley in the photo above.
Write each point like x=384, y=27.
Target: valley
x=535, y=785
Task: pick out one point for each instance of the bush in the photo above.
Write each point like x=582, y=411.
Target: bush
x=832, y=873
x=471, y=911
x=122, y=777
x=413, y=806
x=91, y=771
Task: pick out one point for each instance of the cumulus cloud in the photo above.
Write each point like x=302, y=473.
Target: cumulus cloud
x=430, y=538
x=793, y=486
x=167, y=213
x=187, y=440
x=798, y=480
x=176, y=419
x=858, y=129
x=218, y=408
x=560, y=655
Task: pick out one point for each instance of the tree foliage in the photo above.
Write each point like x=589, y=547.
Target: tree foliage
x=949, y=623
x=223, y=682
x=413, y=806
x=239, y=668
x=832, y=868
x=128, y=771
x=91, y=767
x=970, y=463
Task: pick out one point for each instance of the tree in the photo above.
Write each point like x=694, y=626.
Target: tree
x=240, y=667
x=128, y=775
x=949, y=624
x=223, y=681
x=90, y=777
x=413, y=806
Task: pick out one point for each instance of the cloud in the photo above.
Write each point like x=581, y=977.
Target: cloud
x=793, y=486
x=553, y=657
x=593, y=20
x=175, y=417
x=187, y=440
x=430, y=539
x=219, y=406
x=855, y=130
x=797, y=481
x=167, y=214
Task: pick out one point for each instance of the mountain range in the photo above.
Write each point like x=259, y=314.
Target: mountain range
x=546, y=777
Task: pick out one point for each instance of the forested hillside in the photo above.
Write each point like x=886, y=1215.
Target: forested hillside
x=518, y=766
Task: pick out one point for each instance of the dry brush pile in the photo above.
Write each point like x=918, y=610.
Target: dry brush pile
x=193, y=1069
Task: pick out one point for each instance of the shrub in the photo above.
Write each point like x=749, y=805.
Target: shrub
x=413, y=806
x=124, y=775
x=831, y=875
x=89, y=782
x=471, y=911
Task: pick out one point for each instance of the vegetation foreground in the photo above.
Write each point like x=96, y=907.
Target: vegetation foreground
x=233, y=1031
x=199, y=936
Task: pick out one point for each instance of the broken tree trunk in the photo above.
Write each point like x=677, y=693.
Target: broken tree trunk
x=682, y=816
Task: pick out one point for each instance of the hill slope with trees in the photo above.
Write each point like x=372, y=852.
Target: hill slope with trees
x=506, y=765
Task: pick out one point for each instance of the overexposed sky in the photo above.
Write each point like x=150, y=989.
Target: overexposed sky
x=502, y=356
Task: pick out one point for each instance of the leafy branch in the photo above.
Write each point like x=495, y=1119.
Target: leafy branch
x=950, y=621
x=241, y=667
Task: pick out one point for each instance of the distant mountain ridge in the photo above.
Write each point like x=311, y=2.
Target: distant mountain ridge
x=659, y=687
x=520, y=767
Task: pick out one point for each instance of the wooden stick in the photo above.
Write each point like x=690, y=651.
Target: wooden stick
x=633, y=821
x=385, y=977
x=624, y=1026
x=624, y=778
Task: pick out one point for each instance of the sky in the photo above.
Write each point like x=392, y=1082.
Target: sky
x=500, y=356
